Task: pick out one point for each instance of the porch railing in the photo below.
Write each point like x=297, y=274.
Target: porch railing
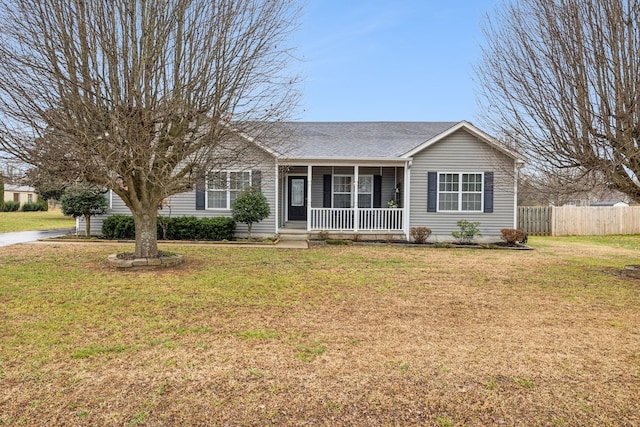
x=345, y=219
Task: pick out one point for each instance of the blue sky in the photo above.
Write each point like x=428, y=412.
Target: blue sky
x=400, y=60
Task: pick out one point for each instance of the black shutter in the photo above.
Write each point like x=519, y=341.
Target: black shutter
x=432, y=191
x=488, y=192
x=377, y=191
x=256, y=180
x=200, y=193
x=326, y=191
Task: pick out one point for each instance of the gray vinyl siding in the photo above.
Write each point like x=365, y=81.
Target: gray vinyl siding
x=462, y=152
x=184, y=204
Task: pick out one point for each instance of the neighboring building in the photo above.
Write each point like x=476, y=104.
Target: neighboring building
x=20, y=193
x=367, y=178
x=609, y=203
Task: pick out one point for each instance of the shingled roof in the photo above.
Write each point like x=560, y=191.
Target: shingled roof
x=359, y=139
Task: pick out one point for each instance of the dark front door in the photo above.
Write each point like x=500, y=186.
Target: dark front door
x=297, y=201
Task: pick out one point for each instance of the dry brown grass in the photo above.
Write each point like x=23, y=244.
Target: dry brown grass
x=358, y=335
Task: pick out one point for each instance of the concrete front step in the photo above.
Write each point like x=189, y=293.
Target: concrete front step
x=294, y=236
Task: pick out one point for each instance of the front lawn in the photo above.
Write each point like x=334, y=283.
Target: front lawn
x=26, y=221
x=334, y=335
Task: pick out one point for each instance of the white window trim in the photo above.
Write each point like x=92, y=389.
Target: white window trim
x=460, y=192
x=228, y=190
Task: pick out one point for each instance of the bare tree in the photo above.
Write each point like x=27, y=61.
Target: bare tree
x=142, y=95
x=561, y=80
x=563, y=187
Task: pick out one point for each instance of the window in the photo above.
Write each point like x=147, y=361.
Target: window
x=365, y=191
x=342, y=191
x=29, y=198
x=224, y=186
x=460, y=192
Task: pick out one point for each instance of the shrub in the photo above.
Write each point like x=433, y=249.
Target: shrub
x=178, y=228
x=221, y=228
x=249, y=207
x=512, y=235
x=83, y=199
x=119, y=227
x=420, y=234
x=182, y=228
x=10, y=206
x=192, y=228
x=40, y=205
x=468, y=231
x=323, y=235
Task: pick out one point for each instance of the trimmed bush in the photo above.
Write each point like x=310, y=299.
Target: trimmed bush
x=119, y=227
x=11, y=206
x=420, y=234
x=221, y=228
x=512, y=235
x=40, y=205
x=179, y=228
x=249, y=207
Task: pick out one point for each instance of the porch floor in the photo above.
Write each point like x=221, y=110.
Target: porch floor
x=295, y=225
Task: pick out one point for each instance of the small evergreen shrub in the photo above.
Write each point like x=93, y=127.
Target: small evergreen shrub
x=467, y=231
x=11, y=206
x=251, y=206
x=38, y=206
x=119, y=227
x=420, y=234
x=512, y=235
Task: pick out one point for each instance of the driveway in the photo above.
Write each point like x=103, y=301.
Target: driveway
x=14, y=238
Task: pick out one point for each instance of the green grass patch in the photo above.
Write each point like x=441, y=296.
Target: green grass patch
x=94, y=350
x=27, y=221
x=309, y=352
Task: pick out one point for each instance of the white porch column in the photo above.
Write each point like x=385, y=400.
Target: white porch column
x=405, y=197
x=308, y=201
x=356, y=214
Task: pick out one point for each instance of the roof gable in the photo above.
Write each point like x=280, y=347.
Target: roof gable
x=463, y=125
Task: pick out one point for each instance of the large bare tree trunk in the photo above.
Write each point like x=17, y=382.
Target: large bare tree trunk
x=146, y=232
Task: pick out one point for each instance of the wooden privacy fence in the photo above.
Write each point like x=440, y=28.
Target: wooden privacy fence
x=579, y=221
x=535, y=220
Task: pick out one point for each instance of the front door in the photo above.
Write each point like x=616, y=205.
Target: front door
x=297, y=204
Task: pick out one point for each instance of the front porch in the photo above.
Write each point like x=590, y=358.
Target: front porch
x=344, y=199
